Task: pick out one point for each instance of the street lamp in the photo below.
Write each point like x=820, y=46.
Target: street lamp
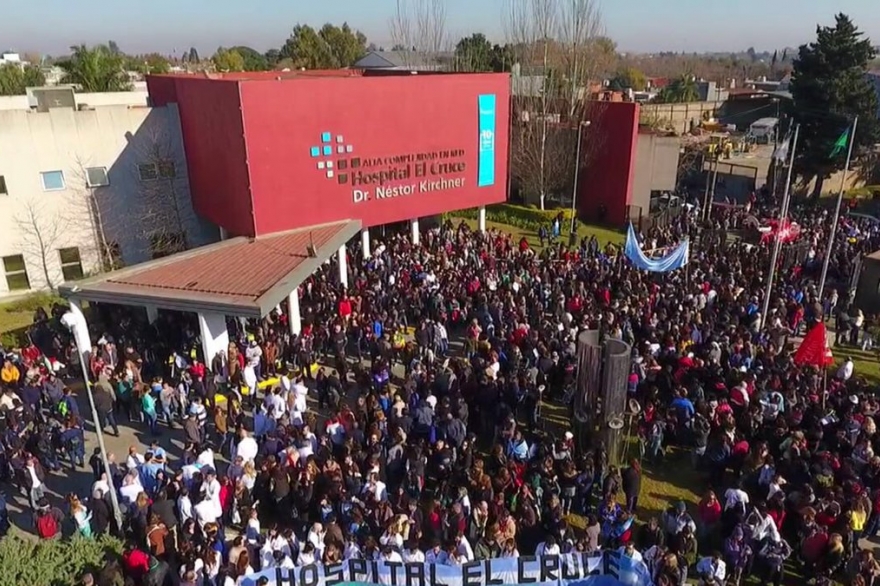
x=74, y=320
x=572, y=235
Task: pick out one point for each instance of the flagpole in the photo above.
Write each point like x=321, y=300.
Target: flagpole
x=777, y=242
x=831, y=236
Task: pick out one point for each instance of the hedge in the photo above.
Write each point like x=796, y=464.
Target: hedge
x=524, y=217
x=26, y=561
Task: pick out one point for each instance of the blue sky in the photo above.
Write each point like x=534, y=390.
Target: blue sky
x=636, y=25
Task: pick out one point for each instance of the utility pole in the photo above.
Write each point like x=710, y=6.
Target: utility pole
x=572, y=234
x=777, y=243
x=834, y=222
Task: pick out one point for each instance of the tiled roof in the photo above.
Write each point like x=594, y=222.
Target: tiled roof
x=236, y=273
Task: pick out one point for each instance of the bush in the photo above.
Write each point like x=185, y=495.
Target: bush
x=32, y=302
x=52, y=563
x=523, y=217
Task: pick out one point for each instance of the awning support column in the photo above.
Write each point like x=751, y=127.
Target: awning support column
x=294, y=316
x=414, y=224
x=342, y=261
x=365, y=242
x=215, y=336
x=481, y=221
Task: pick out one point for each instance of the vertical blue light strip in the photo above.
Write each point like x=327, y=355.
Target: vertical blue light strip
x=486, y=159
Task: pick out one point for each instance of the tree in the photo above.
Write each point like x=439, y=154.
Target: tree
x=273, y=56
x=194, y=55
x=829, y=88
x=99, y=208
x=226, y=60
x=473, y=53
x=43, y=232
x=152, y=63
x=562, y=42
x=332, y=47
x=679, y=91
x=113, y=48
x=96, y=69
x=418, y=30
x=253, y=59
x=15, y=80
x=164, y=212
x=629, y=78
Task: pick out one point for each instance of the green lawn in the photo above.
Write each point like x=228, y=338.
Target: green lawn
x=17, y=315
x=602, y=234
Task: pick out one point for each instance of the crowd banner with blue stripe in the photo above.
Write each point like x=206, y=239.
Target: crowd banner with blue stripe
x=665, y=264
x=610, y=568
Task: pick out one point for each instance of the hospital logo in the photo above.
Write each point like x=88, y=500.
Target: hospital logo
x=332, y=157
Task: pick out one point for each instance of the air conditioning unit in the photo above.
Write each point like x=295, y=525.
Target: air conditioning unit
x=42, y=99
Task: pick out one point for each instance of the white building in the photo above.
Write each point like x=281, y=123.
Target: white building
x=84, y=187
x=11, y=59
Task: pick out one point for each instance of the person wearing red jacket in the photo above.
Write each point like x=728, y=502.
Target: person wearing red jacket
x=135, y=561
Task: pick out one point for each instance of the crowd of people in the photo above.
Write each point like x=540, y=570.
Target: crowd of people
x=407, y=422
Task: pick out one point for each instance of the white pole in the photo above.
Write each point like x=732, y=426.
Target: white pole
x=833, y=233
x=414, y=224
x=342, y=263
x=574, y=186
x=80, y=322
x=481, y=219
x=777, y=242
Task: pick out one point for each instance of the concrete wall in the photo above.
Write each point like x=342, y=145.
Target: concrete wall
x=656, y=167
x=136, y=97
x=118, y=138
x=679, y=117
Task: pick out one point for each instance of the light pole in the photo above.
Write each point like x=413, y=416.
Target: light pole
x=831, y=235
x=78, y=321
x=572, y=234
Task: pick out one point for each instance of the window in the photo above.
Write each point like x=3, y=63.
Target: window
x=97, y=177
x=52, y=180
x=164, y=169
x=3, y=190
x=148, y=172
x=71, y=263
x=16, y=273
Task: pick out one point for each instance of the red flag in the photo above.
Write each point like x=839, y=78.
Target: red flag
x=814, y=350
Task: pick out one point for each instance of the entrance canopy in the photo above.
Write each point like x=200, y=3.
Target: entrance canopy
x=245, y=277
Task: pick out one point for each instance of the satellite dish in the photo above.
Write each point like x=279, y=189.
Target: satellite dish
x=616, y=422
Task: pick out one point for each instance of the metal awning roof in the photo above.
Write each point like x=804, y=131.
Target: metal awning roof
x=241, y=276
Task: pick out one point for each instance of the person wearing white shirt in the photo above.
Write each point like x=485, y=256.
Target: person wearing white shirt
x=712, y=567
x=247, y=447
x=734, y=496
x=763, y=526
x=316, y=538
x=352, y=551
x=275, y=404
x=547, y=547
x=131, y=487
x=205, y=512
x=412, y=554
x=282, y=561
x=184, y=506
x=629, y=550
x=307, y=556
x=389, y=555
x=377, y=487
x=846, y=369
x=463, y=548
x=134, y=459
